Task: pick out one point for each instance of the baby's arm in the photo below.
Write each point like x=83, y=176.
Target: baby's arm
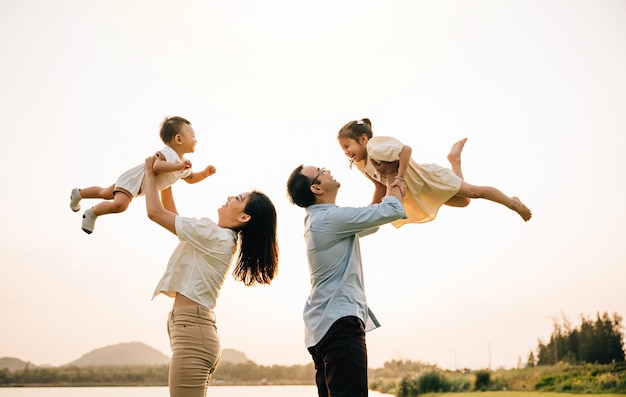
x=161, y=165
x=196, y=177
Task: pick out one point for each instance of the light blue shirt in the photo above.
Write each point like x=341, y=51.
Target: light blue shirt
x=331, y=234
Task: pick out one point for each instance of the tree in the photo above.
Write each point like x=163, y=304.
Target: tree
x=530, y=362
x=593, y=342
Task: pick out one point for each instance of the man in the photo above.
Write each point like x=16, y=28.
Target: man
x=336, y=315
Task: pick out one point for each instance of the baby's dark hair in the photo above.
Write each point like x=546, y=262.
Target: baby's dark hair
x=172, y=126
x=299, y=188
x=355, y=129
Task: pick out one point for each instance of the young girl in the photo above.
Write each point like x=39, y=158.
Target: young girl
x=170, y=165
x=429, y=186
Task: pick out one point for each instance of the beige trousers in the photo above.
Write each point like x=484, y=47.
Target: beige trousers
x=195, y=350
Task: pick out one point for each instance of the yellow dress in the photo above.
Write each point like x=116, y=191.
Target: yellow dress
x=429, y=186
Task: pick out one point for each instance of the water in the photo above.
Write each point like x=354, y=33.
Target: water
x=214, y=391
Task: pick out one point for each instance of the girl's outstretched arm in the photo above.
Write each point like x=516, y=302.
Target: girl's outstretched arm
x=405, y=158
x=403, y=164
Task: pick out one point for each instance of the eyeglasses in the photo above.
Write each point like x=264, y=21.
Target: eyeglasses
x=322, y=171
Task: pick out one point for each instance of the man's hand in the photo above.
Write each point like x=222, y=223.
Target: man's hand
x=401, y=184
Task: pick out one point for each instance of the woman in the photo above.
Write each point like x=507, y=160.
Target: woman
x=196, y=271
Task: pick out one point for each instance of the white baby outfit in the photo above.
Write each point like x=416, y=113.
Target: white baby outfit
x=132, y=181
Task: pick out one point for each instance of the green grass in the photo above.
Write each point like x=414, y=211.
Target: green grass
x=512, y=394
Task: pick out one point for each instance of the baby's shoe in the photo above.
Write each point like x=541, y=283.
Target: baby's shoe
x=89, y=221
x=75, y=198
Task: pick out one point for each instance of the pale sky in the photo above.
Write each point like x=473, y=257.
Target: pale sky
x=537, y=87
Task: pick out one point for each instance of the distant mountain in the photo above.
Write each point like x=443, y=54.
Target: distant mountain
x=121, y=354
x=233, y=356
x=14, y=364
x=131, y=353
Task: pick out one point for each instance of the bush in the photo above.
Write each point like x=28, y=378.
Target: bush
x=482, y=380
x=407, y=387
x=432, y=382
x=428, y=382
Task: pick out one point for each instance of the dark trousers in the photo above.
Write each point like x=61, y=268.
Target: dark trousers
x=340, y=360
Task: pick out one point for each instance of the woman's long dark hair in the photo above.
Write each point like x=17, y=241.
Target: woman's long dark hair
x=257, y=261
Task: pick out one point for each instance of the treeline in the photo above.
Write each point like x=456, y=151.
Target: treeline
x=251, y=373
x=599, y=342
x=226, y=374
x=400, y=378
x=86, y=376
x=418, y=379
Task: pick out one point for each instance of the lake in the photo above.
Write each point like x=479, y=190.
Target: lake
x=162, y=391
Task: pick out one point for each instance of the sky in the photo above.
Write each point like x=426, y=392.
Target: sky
x=537, y=87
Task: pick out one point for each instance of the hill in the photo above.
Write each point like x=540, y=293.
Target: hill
x=121, y=354
x=234, y=356
x=131, y=353
x=14, y=364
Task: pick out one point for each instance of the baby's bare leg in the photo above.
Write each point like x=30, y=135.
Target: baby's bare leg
x=119, y=204
x=495, y=195
x=105, y=193
x=454, y=157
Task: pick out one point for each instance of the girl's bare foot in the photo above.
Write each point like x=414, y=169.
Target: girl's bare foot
x=521, y=209
x=455, y=153
x=454, y=157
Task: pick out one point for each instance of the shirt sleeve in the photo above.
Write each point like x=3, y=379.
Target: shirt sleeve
x=384, y=148
x=202, y=233
x=186, y=172
x=354, y=220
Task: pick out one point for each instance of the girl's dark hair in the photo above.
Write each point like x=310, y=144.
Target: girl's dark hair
x=355, y=129
x=170, y=127
x=257, y=261
x=299, y=188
